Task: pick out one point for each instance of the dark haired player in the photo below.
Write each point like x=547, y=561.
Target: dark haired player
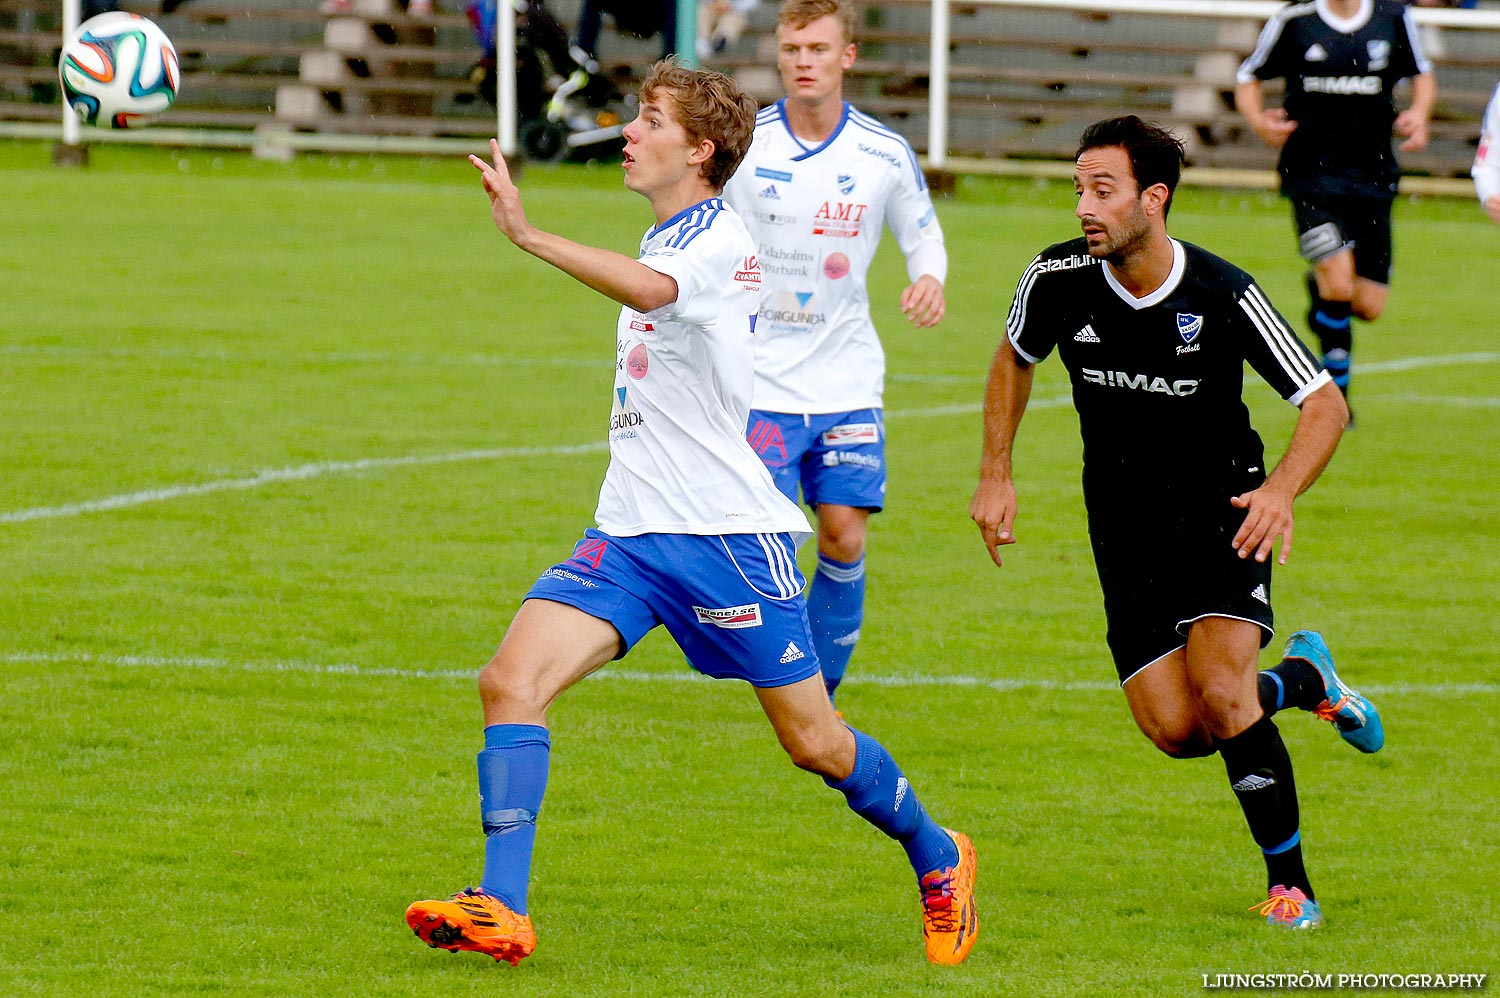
x=1341, y=60
x=1182, y=514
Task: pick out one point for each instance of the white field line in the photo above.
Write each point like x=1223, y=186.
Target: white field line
x=501, y=360
x=297, y=473
x=897, y=681
x=324, y=469
x=341, y=357
x=1462, y=401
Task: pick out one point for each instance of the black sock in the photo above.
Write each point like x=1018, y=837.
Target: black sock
x=1291, y=683
x=1260, y=774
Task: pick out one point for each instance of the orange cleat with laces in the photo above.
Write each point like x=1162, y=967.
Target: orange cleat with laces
x=950, y=920
x=1289, y=908
x=473, y=921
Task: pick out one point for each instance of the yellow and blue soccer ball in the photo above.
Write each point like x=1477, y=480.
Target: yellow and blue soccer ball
x=119, y=70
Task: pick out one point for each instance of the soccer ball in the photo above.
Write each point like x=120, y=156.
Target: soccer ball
x=119, y=70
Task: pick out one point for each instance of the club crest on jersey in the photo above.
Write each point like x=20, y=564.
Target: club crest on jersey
x=846, y=184
x=1380, y=54
x=1189, y=326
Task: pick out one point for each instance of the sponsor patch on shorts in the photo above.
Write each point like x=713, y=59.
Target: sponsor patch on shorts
x=731, y=618
x=852, y=433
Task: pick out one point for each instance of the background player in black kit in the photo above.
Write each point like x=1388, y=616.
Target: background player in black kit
x=1341, y=60
x=1182, y=515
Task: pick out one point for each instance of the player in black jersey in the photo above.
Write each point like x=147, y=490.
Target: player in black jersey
x=1182, y=515
x=1341, y=60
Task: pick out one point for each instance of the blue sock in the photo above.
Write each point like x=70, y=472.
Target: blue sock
x=1330, y=321
x=835, y=607
x=1336, y=362
x=878, y=793
x=512, y=779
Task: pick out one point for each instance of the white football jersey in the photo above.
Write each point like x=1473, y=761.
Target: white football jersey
x=678, y=460
x=1486, y=172
x=816, y=213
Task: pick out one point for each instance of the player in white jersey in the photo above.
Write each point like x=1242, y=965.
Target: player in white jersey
x=1486, y=170
x=692, y=532
x=819, y=183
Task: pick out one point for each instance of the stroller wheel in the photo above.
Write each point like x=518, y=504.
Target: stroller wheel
x=542, y=139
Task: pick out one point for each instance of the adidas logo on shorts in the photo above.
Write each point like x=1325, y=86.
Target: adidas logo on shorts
x=792, y=653
x=1259, y=592
x=1254, y=782
x=1086, y=335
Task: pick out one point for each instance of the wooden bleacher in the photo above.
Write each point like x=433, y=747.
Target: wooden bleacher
x=1022, y=83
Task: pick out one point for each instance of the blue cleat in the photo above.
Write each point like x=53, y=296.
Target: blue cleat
x=1356, y=717
x=1289, y=908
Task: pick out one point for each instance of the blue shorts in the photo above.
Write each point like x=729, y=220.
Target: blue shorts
x=838, y=458
x=732, y=602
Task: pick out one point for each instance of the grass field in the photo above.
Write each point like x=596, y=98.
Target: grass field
x=283, y=445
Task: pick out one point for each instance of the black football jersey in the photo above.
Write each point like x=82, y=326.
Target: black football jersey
x=1157, y=381
x=1340, y=76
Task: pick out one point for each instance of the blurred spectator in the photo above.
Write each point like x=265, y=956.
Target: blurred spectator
x=542, y=54
x=642, y=18
x=721, y=23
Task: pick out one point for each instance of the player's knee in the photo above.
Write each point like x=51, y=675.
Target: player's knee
x=841, y=536
x=1179, y=738
x=1335, y=285
x=1227, y=708
x=813, y=753
x=502, y=684
x=1193, y=745
x=1367, y=311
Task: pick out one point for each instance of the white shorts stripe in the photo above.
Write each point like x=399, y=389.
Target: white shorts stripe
x=780, y=596
x=780, y=564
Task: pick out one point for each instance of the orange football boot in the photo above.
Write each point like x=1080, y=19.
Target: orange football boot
x=473, y=921
x=950, y=921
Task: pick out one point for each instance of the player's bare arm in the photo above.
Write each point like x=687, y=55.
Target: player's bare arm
x=1272, y=125
x=922, y=302
x=1006, y=393
x=612, y=274
x=1413, y=123
x=1268, y=515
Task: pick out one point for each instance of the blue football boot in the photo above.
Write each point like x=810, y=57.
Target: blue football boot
x=1289, y=908
x=1356, y=717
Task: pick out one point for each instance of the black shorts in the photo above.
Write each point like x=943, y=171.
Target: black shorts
x=1166, y=565
x=1363, y=224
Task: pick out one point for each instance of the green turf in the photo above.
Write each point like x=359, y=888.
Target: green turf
x=200, y=800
